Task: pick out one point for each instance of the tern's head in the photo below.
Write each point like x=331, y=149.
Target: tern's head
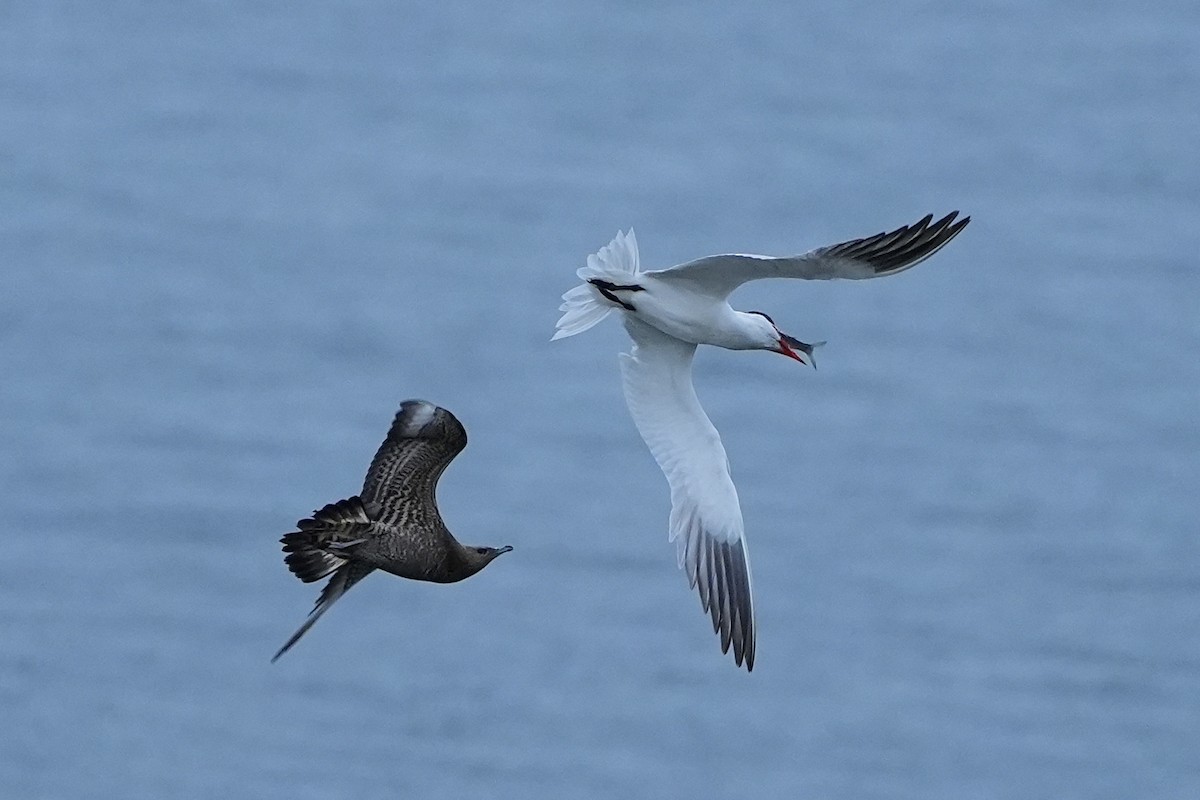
x=775, y=340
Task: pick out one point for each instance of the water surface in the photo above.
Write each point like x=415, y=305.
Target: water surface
x=234, y=239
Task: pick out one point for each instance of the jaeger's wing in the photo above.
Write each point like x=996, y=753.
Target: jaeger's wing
x=423, y=439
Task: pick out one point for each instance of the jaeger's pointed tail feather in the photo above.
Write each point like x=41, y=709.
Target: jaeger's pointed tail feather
x=584, y=306
x=346, y=576
x=333, y=590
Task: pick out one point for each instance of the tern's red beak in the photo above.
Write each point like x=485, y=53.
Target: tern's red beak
x=786, y=350
x=789, y=346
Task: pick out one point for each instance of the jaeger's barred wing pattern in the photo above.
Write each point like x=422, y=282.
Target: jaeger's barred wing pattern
x=394, y=525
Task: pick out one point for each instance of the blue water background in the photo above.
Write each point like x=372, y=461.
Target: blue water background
x=233, y=237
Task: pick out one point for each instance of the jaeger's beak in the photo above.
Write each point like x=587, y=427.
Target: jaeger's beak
x=789, y=345
x=502, y=550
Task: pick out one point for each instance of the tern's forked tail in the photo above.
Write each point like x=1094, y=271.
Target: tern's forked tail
x=615, y=266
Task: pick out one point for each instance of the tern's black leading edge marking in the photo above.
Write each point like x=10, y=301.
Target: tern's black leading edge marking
x=616, y=287
x=606, y=288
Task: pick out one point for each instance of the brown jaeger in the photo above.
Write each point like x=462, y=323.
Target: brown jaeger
x=394, y=524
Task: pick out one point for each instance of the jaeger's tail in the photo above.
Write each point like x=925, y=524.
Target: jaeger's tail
x=321, y=546
x=614, y=268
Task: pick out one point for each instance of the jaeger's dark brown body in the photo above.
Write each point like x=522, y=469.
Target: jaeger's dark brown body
x=394, y=524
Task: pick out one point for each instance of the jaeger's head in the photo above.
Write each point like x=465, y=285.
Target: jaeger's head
x=477, y=558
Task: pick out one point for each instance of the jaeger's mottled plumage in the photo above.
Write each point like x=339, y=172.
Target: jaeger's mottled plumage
x=394, y=524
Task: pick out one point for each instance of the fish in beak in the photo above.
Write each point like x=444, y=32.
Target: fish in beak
x=794, y=348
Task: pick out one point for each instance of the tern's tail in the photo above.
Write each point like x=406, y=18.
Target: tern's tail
x=612, y=270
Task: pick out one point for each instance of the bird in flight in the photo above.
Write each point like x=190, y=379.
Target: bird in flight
x=394, y=524
x=669, y=312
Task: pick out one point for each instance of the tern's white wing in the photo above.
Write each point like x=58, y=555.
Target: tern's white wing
x=706, y=520
x=871, y=257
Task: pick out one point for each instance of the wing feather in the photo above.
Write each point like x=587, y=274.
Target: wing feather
x=870, y=257
x=423, y=439
x=706, y=519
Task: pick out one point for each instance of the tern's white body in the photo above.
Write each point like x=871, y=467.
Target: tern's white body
x=667, y=314
x=693, y=317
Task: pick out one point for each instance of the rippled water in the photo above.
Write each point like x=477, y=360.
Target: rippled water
x=234, y=238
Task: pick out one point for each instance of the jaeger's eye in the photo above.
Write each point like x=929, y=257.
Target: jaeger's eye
x=481, y=550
